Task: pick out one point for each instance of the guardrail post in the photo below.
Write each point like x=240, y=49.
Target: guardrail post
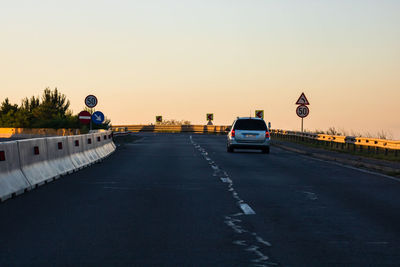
x=376, y=150
x=386, y=151
x=369, y=149
x=396, y=153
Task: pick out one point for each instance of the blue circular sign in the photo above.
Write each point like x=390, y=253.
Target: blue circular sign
x=98, y=117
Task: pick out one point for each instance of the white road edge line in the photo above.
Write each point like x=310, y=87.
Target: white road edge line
x=354, y=168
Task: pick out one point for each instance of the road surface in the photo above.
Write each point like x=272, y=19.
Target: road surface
x=177, y=200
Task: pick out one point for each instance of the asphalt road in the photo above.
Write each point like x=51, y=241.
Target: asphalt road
x=161, y=202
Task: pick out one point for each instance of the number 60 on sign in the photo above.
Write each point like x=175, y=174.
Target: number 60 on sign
x=302, y=111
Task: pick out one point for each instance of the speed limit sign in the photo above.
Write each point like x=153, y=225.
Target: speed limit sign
x=91, y=101
x=302, y=111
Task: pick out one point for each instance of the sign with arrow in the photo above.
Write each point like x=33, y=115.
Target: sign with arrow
x=302, y=100
x=210, y=116
x=98, y=117
x=259, y=114
x=159, y=119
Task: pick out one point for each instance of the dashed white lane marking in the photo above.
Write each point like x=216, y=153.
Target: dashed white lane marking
x=226, y=180
x=247, y=209
x=233, y=221
x=240, y=242
x=262, y=241
x=310, y=195
x=119, y=188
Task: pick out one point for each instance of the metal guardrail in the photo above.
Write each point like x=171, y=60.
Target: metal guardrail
x=364, y=141
x=338, y=141
x=349, y=143
x=212, y=129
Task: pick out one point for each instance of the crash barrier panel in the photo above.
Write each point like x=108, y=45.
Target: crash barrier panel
x=100, y=149
x=59, y=156
x=77, y=154
x=25, y=164
x=212, y=129
x=107, y=137
x=33, y=156
x=105, y=145
x=352, y=143
x=89, y=148
x=12, y=180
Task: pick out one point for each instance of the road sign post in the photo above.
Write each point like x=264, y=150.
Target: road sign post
x=98, y=117
x=91, y=102
x=259, y=114
x=302, y=110
x=84, y=117
x=210, y=118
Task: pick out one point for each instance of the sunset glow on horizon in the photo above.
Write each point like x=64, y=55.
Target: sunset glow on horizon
x=183, y=59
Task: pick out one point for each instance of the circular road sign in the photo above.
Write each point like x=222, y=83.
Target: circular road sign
x=98, y=117
x=302, y=111
x=91, y=101
x=84, y=117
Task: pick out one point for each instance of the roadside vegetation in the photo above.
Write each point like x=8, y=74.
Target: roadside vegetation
x=51, y=110
x=334, y=131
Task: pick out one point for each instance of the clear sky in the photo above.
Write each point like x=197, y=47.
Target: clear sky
x=183, y=59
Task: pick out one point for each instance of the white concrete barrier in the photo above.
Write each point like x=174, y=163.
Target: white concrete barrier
x=58, y=155
x=89, y=148
x=28, y=163
x=34, y=161
x=100, y=149
x=12, y=180
x=75, y=146
x=109, y=144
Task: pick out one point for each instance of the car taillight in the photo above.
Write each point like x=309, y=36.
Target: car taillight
x=267, y=134
x=233, y=133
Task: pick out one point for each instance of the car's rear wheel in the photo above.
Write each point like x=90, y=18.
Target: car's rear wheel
x=265, y=150
x=229, y=149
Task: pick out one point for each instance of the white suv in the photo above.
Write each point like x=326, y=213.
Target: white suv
x=248, y=133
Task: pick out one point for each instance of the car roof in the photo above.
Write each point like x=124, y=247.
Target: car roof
x=248, y=118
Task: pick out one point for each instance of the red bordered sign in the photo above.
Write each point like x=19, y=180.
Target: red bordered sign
x=302, y=111
x=91, y=101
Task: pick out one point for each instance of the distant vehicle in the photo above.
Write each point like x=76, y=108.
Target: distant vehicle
x=248, y=133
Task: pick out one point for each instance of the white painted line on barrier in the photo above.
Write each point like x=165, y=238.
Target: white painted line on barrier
x=85, y=117
x=247, y=209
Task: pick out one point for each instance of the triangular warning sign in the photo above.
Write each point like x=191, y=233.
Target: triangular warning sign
x=302, y=100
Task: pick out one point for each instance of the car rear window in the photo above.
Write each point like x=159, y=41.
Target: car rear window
x=256, y=125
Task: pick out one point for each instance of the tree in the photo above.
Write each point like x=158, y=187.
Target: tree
x=49, y=111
